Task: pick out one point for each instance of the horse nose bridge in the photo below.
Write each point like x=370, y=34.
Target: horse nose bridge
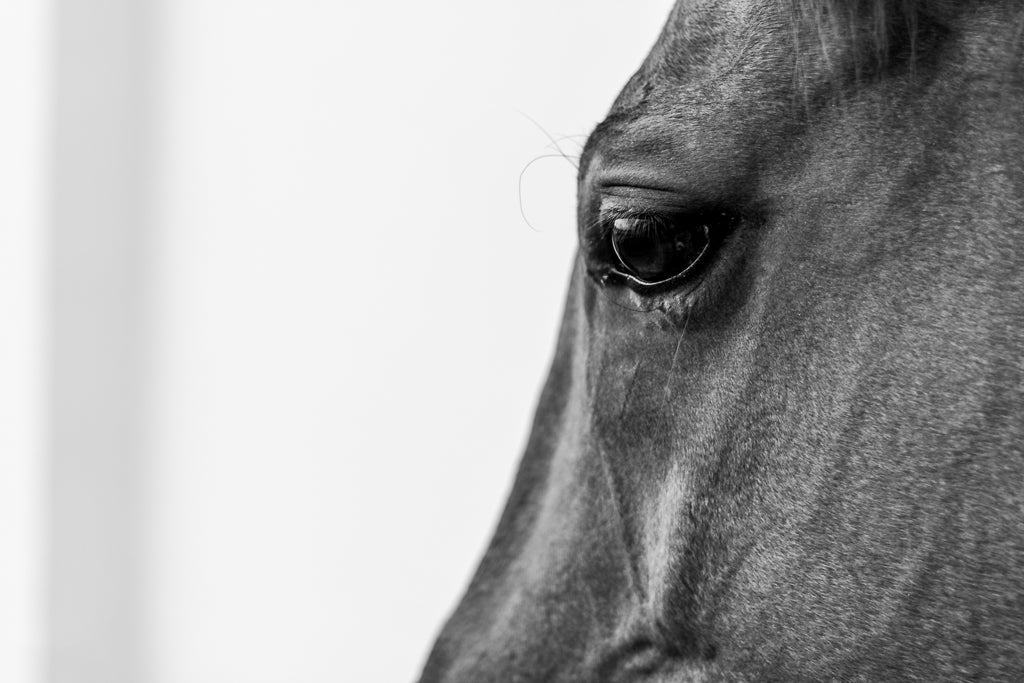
x=556, y=591
x=573, y=582
x=646, y=464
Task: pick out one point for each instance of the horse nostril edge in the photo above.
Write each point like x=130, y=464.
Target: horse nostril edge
x=644, y=657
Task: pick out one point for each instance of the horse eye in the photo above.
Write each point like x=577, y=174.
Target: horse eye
x=651, y=251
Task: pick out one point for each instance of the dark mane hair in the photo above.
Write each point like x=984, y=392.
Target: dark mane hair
x=878, y=31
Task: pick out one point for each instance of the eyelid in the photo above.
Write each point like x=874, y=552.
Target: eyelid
x=608, y=215
x=644, y=193
x=645, y=202
x=609, y=212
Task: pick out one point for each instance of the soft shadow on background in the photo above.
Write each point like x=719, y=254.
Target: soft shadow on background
x=274, y=324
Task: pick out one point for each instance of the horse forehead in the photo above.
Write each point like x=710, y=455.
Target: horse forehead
x=701, y=41
x=704, y=103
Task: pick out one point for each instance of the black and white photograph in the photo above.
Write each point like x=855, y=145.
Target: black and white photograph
x=666, y=341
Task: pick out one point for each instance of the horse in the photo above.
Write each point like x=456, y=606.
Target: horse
x=781, y=436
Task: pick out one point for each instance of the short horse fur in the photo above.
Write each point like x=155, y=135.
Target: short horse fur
x=804, y=462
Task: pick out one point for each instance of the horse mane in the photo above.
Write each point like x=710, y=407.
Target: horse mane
x=879, y=31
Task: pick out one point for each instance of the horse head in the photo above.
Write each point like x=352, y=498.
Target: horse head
x=783, y=432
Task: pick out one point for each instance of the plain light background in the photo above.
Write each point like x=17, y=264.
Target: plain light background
x=25, y=77
x=275, y=322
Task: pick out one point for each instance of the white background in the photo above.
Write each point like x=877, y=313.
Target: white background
x=343, y=321
x=24, y=81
